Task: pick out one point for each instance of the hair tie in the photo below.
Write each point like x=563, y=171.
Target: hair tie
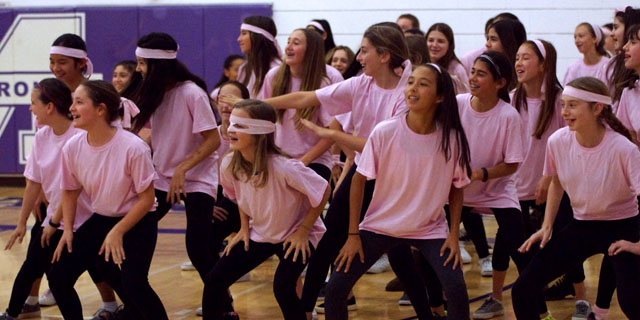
x=265, y=33
x=586, y=95
x=157, y=53
x=435, y=66
x=250, y=126
x=130, y=110
x=493, y=63
x=74, y=53
x=541, y=48
x=317, y=25
x=597, y=31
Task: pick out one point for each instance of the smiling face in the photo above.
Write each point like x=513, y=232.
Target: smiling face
x=481, y=81
x=340, y=60
x=584, y=40
x=232, y=71
x=618, y=33
x=65, y=68
x=437, y=44
x=372, y=61
x=421, y=91
x=84, y=112
x=244, y=40
x=296, y=48
x=142, y=66
x=38, y=108
x=579, y=115
x=493, y=41
x=239, y=141
x=632, y=53
x=528, y=65
x=121, y=78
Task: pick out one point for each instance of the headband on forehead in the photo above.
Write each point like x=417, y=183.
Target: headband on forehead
x=156, y=53
x=435, y=66
x=74, y=53
x=130, y=110
x=597, y=31
x=263, y=32
x=317, y=25
x=585, y=95
x=541, y=48
x=493, y=63
x=253, y=126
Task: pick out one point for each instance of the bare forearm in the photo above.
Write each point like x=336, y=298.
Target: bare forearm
x=347, y=140
x=295, y=100
x=138, y=211
x=210, y=144
x=356, y=195
x=319, y=149
x=313, y=214
x=455, y=208
x=553, y=203
x=69, y=204
x=31, y=193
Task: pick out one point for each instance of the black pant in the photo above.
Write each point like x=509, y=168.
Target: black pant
x=321, y=170
x=199, y=212
x=230, y=268
x=337, y=224
x=131, y=283
x=474, y=226
x=569, y=248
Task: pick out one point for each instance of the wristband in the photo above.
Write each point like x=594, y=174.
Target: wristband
x=485, y=175
x=55, y=225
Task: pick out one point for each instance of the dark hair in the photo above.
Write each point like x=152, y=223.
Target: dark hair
x=621, y=77
x=633, y=34
x=414, y=21
x=500, y=68
x=388, y=39
x=132, y=88
x=55, y=91
x=73, y=41
x=448, y=118
x=414, y=31
x=227, y=64
x=128, y=65
x=500, y=16
x=262, y=53
x=600, y=45
x=354, y=68
x=328, y=42
x=608, y=26
x=244, y=92
x=162, y=75
x=450, y=55
x=512, y=35
x=551, y=90
x=418, y=52
x=606, y=116
x=100, y=91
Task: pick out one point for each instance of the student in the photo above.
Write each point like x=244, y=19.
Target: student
x=470, y=57
x=418, y=52
x=609, y=42
x=590, y=42
x=506, y=36
x=604, y=212
x=432, y=122
x=184, y=136
x=231, y=69
x=258, y=41
x=125, y=78
x=628, y=110
x=283, y=199
x=119, y=232
x=488, y=119
x=340, y=58
x=323, y=27
x=408, y=21
x=50, y=102
x=441, y=46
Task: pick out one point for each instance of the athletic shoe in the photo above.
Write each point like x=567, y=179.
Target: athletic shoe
x=404, y=300
x=102, y=314
x=351, y=306
x=47, y=299
x=187, y=266
x=29, y=311
x=314, y=315
x=466, y=257
x=486, y=267
x=582, y=310
x=119, y=314
x=559, y=290
x=489, y=309
x=231, y=316
x=382, y=265
x=199, y=312
x=5, y=316
x=322, y=293
x=395, y=285
x=548, y=317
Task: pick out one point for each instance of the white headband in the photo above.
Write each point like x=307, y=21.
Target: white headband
x=263, y=32
x=586, y=95
x=493, y=63
x=436, y=66
x=156, y=53
x=317, y=25
x=130, y=110
x=74, y=53
x=541, y=48
x=597, y=31
x=253, y=126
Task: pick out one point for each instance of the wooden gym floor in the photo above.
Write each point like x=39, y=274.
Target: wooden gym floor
x=181, y=291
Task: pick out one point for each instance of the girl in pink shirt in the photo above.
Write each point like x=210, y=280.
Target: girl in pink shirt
x=280, y=201
x=120, y=195
x=50, y=102
x=628, y=111
x=589, y=40
x=441, y=45
x=406, y=208
x=258, y=41
x=604, y=198
x=184, y=137
x=506, y=36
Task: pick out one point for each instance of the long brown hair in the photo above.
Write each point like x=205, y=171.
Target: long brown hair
x=551, y=87
x=242, y=169
x=621, y=77
x=450, y=55
x=606, y=117
x=388, y=39
x=262, y=53
x=313, y=74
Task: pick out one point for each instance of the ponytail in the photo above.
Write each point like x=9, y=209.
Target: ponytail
x=607, y=117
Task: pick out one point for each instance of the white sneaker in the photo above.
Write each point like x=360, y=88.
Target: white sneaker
x=187, y=266
x=486, y=267
x=466, y=257
x=382, y=265
x=47, y=299
x=199, y=312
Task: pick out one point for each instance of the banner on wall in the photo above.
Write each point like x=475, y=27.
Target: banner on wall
x=206, y=34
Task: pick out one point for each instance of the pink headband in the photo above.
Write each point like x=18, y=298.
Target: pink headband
x=263, y=32
x=156, y=53
x=606, y=32
x=317, y=25
x=586, y=95
x=130, y=110
x=74, y=53
x=253, y=126
x=541, y=48
x=597, y=31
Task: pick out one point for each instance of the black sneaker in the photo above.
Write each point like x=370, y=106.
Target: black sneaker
x=559, y=290
x=404, y=300
x=351, y=306
x=30, y=311
x=394, y=285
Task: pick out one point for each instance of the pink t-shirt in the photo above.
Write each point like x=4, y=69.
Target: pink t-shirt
x=289, y=138
x=580, y=69
x=112, y=175
x=277, y=209
x=602, y=182
x=253, y=92
x=177, y=126
x=629, y=110
x=413, y=181
x=470, y=57
x=494, y=136
x=345, y=121
x=43, y=167
x=368, y=103
x=530, y=170
x=460, y=76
